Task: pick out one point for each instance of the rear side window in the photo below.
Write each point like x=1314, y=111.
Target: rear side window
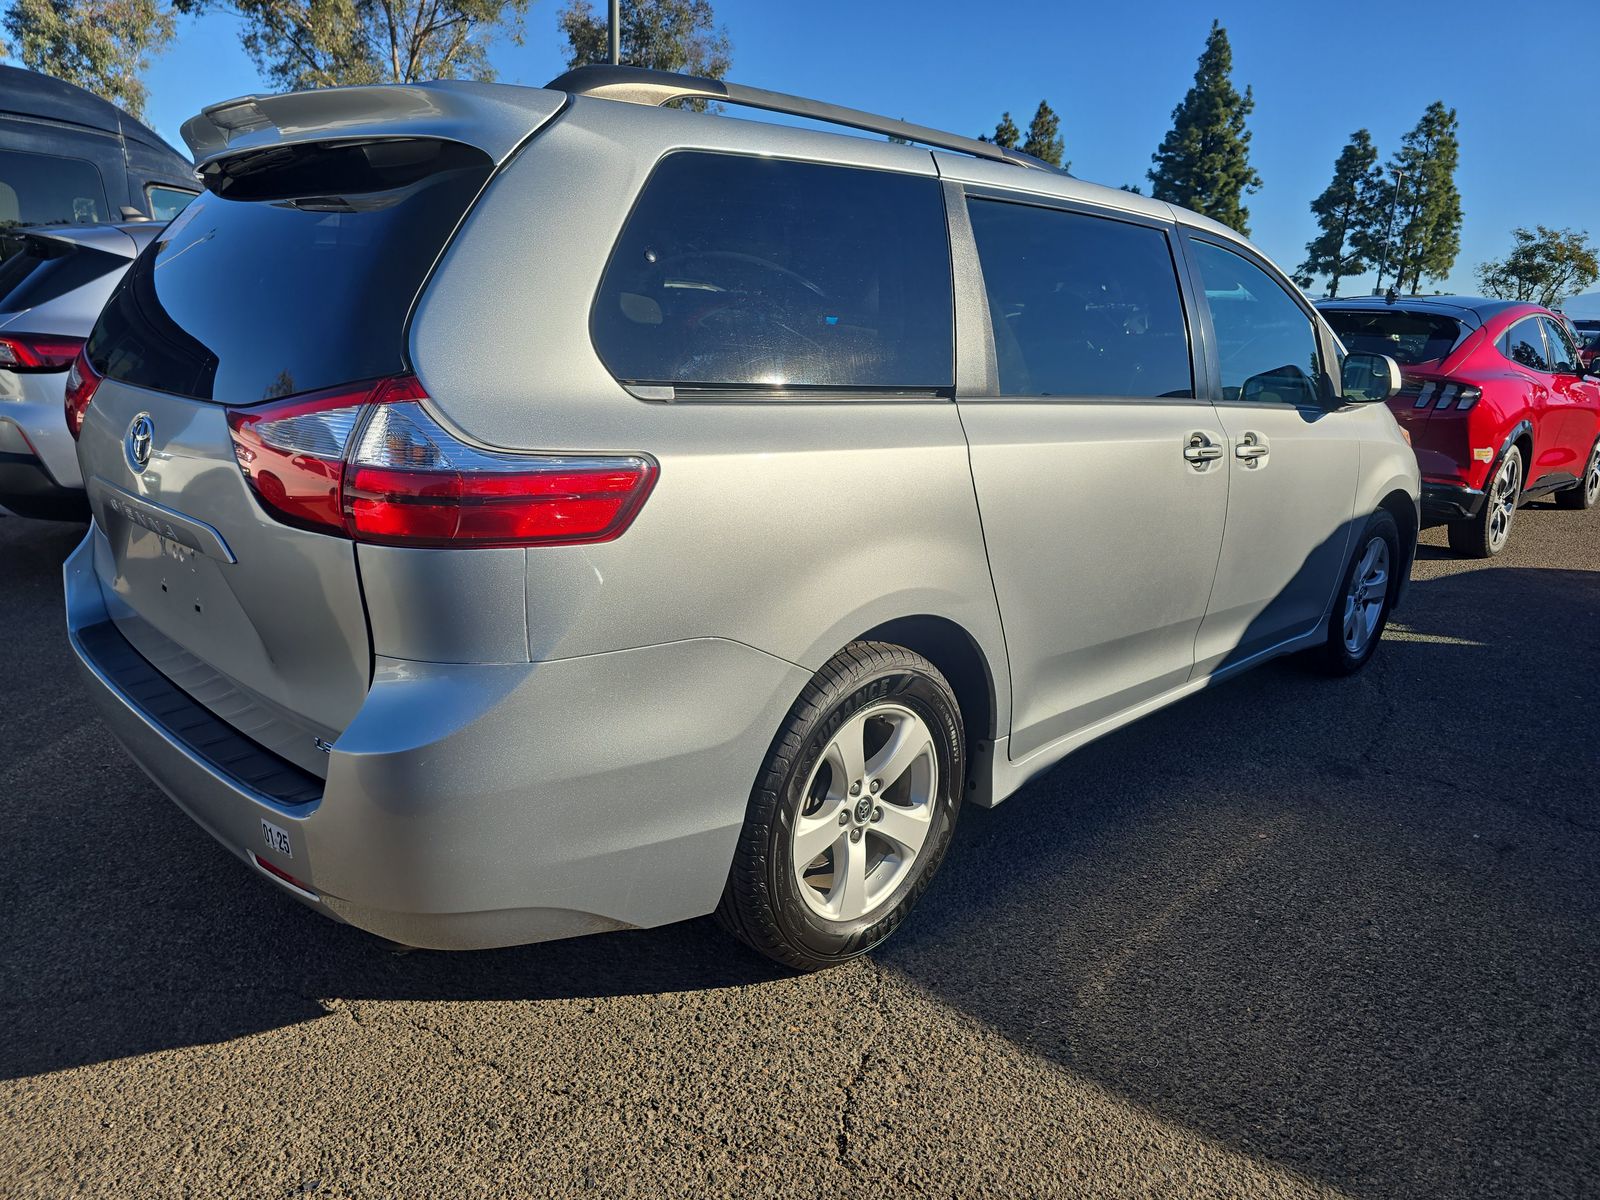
x=1524, y=345
x=1563, y=354
x=295, y=271
x=47, y=189
x=1407, y=337
x=1266, y=344
x=167, y=202
x=46, y=269
x=755, y=273
x=1081, y=305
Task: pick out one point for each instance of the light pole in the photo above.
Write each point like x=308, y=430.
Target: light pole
x=1388, y=231
x=614, y=34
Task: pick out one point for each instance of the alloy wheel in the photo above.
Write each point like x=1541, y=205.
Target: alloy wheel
x=1363, y=602
x=866, y=812
x=1503, y=497
x=1591, y=477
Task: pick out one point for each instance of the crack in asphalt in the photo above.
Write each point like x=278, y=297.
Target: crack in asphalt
x=847, y=1110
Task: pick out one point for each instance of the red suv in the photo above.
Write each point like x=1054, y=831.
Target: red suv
x=1497, y=404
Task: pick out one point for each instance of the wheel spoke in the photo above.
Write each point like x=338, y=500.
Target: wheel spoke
x=850, y=892
x=813, y=835
x=848, y=750
x=909, y=742
x=906, y=826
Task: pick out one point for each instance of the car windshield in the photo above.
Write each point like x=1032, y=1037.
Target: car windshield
x=1406, y=337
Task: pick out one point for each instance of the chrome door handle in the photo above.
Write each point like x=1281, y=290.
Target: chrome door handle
x=1201, y=450
x=1252, y=448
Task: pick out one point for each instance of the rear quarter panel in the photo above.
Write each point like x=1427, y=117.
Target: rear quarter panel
x=791, y=527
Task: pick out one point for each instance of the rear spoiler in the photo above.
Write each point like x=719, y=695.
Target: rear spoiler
x=494, y=118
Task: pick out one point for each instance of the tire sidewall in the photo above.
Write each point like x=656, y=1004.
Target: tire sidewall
x=931, y=700
x=1380, y=524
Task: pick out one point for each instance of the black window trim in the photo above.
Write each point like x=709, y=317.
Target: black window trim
x=1503, y=344
x=1328, y=344
x=657, y=391
x=972, y=298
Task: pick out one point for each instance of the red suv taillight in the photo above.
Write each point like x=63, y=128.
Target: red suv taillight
x=28, y=352
x=82, y=380
x=370, y=463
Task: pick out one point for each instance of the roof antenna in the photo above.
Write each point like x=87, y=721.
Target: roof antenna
x=1390, y=296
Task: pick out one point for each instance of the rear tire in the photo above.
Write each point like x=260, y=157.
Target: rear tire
x=1365, y=598
x=1587, y=492
x=876, y=714
x=1486, y=534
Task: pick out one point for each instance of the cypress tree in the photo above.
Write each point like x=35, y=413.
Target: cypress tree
x=1044, y=136
x=1350, y=214
x=1429, y=204
x=1204, y=161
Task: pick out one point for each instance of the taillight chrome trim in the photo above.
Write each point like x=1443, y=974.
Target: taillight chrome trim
x=381, y=467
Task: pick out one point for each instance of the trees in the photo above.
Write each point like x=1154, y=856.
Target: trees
x=1005, y=133
x=668, y=35
x=1350, y=214
x=1428, y=204
x=1545, y=266
x=324, y=43
x=1044, y=136
x=102, y=45
x=1204, y=161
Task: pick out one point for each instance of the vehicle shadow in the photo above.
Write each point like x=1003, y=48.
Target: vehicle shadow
x=1352, y=928
x=1347, y=927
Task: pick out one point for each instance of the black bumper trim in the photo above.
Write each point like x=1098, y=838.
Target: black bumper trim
x=1443, y=503
x=28, y=490
x=201, y=733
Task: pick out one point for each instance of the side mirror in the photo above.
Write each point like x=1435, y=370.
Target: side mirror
x=1370, y=378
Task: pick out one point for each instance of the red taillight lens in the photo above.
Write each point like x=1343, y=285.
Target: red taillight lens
x=27, y=352
x=82, y=380
x=373, y=464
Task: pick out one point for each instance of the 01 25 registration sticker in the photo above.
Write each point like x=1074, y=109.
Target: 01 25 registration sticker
x=277, y=839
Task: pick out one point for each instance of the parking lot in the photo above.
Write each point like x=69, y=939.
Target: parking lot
x=1289, y=937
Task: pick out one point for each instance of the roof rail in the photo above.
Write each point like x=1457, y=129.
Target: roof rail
x=640, y=85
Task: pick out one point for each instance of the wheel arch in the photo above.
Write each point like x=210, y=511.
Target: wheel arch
x=1403, y=508
x=962, y=661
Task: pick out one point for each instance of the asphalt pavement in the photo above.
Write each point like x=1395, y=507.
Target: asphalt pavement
x=1290, y=937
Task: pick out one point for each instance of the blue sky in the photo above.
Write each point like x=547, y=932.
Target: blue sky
x=1523, y=80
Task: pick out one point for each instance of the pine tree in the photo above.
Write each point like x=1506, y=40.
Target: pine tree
x=1005, y=133
x=1350, y=214
x=1204, y=161
x=1429, y=204
x=1044, y=136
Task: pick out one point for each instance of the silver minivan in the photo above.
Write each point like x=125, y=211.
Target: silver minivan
x=521, y=512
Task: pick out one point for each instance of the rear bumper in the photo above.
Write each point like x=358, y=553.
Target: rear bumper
x=1443, y=503
x=482, y=805
x=39, y=474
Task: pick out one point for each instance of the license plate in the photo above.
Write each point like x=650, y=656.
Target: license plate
x=277, y=839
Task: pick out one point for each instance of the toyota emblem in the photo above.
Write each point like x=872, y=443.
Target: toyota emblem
x=140, y=434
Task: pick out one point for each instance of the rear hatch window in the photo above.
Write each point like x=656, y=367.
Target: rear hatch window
x=295, y=271
x=1409, y=338
x=45, y=269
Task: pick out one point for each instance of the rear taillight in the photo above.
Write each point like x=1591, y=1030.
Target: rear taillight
x=1430, y=393
x=25, y=352
x=82, y=380
x=370, y=463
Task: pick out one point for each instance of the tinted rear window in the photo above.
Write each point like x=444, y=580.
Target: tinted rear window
x=295, y=272
x=1406, y=337
x=47, y=189
x=753, y=273
x=46, y=270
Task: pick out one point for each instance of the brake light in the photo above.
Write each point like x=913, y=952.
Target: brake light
x=370, y=463
x=82, y=380
x=24, y=352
